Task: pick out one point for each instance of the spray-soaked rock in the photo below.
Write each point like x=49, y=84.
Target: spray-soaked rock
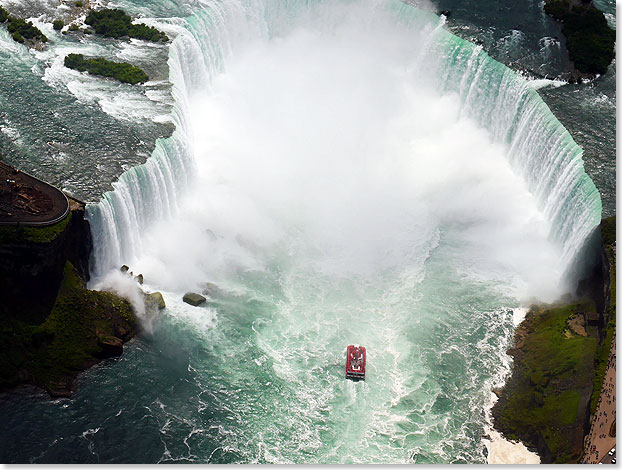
x=154, y=300
x=194, y=299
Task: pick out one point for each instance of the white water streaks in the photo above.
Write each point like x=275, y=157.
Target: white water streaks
x=349, y=173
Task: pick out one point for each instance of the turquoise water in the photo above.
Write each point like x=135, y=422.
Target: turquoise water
x=391, y=186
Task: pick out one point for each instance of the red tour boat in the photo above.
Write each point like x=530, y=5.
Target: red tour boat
x=355, y=362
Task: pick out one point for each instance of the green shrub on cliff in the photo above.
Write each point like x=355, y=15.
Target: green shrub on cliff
x=33, y=234
x=122, y=71
x=552, y=376
x=115, y=23
x=590, y=41
x=58, y=25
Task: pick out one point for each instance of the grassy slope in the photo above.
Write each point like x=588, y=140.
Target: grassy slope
x=52, y=353
x=553, y=368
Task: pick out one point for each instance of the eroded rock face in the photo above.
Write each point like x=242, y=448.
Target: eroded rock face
x=576, y=324
x=111, y=346
x=194, y=299
x=33, y=260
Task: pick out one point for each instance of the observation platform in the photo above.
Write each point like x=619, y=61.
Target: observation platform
x=28, y=201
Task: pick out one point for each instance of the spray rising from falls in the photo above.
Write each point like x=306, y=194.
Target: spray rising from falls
x=539, y=147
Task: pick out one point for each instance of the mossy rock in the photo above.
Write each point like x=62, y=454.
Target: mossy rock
x=83, y=327
x=154, y=300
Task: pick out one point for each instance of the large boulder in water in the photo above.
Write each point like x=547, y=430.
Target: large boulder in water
x=155, y=300
x=194, y=299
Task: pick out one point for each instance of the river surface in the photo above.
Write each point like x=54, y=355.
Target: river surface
x=345, y=172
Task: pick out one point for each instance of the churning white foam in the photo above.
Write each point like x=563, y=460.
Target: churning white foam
x=502, y=451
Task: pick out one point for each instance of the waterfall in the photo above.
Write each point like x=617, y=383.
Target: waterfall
x=540, y=149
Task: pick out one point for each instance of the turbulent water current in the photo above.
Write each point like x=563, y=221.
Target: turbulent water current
x=344, y=172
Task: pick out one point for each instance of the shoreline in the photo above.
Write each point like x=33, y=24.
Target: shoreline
x=502, y=450
x=544, y=403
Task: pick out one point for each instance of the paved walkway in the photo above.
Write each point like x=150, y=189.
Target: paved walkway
x=600, y=439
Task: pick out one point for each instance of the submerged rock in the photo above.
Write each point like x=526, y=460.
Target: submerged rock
x=194, y=299
x=212, y=290
x=153, y=300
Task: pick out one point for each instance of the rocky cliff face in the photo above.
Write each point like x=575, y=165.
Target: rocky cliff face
x=32, y=264
x=51, y=325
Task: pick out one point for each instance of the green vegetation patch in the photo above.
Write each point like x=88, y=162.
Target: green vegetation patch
x=20, y=29
x=553, y=369
x=590, y=40
x=608, y=231
x=58, y=25
x=122, y=71
x=53, y=352
x=115, y=23
x=18, y=233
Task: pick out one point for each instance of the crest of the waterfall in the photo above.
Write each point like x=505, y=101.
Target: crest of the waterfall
x=540, y=148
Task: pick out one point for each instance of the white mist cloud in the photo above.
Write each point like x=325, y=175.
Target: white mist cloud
x=328, y=145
